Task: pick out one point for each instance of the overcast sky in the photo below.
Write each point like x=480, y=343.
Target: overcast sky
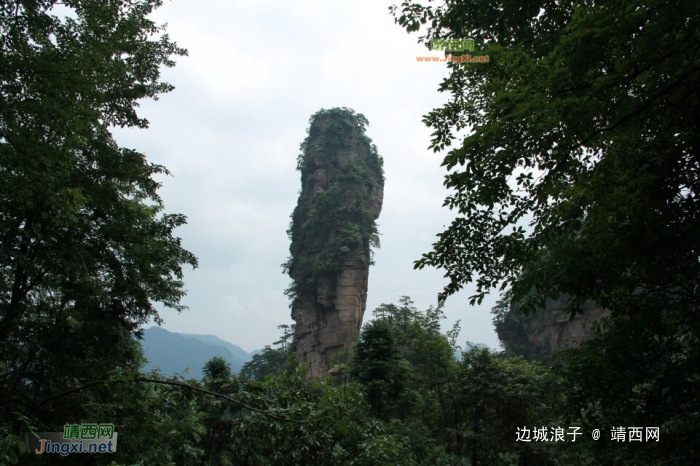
x=230, y=135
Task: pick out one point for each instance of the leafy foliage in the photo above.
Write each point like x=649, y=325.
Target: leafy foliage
x=272, y=361
x=216, y=372
x=498, y=396
x=453, y=407
x=289, y=419
x=86, y=251
x=641, y=372
x=269, y=362
x=574, y=168
x=335, y=429
x=578, y=172
x=377, y=365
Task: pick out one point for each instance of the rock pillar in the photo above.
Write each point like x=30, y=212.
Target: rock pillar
x=332, y=232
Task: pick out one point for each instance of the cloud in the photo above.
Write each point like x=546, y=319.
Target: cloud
x=230, y=134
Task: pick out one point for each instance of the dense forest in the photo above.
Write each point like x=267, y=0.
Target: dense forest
x=572, y=162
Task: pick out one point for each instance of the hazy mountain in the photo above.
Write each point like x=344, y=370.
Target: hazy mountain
x=174, y=352
x=235, y=350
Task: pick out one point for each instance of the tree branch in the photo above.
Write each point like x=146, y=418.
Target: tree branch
x=174, y=383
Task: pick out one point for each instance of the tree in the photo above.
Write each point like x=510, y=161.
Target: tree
x=578, y=169
x=218, y=378
x=398, y=317
x=217, y=373
x=86, y=251
x=378, y=365
x=272, y=361
x=426, y=406
x=573, y=157
x=496, y=397
x=287, y=339
x=158, y=423
x=269, y=362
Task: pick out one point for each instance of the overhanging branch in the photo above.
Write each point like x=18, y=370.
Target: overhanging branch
x=174, y=383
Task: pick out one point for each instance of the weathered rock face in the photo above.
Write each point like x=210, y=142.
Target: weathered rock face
x=333, y=228
x=550, y=330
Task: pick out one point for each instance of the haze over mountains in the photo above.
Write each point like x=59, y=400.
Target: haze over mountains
x=175, y=352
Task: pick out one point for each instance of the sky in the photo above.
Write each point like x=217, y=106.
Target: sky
x=230, y=133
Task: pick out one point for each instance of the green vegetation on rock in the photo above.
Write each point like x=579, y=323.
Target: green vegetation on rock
x=330, y=225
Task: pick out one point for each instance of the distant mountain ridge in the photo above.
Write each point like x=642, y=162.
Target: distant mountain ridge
x=174, y=352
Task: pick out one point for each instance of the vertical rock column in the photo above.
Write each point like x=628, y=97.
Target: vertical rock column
x=332, y=232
